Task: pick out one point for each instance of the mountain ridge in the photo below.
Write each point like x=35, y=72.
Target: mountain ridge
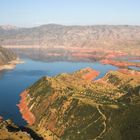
x=67, y=42
x=54, y=35
x=72, y=107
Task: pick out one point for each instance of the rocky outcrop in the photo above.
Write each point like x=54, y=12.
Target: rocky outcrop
x=9, y=131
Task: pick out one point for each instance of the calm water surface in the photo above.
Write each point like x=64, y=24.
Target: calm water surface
x=13, y=82
x=134, y=61
x=134, y=68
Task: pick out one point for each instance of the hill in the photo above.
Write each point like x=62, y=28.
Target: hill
x=74, y=107
x=6, y=56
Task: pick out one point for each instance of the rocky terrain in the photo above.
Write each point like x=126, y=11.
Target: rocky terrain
x=6, y=56
x=53, y=35
x=77, y=107
x=8, y=59
x=9, y=131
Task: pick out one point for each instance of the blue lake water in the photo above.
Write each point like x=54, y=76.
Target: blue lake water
x=134, y=68
x=13, y=82
x=134, y=60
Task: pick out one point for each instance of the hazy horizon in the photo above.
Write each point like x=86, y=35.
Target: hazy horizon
x=82, y=25
x=45, y=24
x=90, y=12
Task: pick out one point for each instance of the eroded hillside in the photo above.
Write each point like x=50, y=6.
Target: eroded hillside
x=74, y=107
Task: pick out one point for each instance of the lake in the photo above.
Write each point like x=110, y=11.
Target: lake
x=13, y=82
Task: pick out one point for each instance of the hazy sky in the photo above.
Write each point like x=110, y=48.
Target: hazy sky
x=69, y=12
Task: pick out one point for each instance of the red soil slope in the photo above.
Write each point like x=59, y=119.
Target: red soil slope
x=90, y=75
x=1, y=119
x=27, y=115
x=25, y=111
x=119, y=63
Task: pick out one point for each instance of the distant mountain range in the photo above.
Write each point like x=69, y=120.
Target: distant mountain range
x=82, y=43
x=53, y=35
x=8, y=27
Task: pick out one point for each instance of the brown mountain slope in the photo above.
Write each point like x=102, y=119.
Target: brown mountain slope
x=6, y=56
x=72, y=107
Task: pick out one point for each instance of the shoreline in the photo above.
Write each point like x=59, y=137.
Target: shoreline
x=11, y=65
x=26, y=114
x=120, y=64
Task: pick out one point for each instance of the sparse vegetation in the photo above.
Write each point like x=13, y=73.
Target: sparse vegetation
x=79, y=109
